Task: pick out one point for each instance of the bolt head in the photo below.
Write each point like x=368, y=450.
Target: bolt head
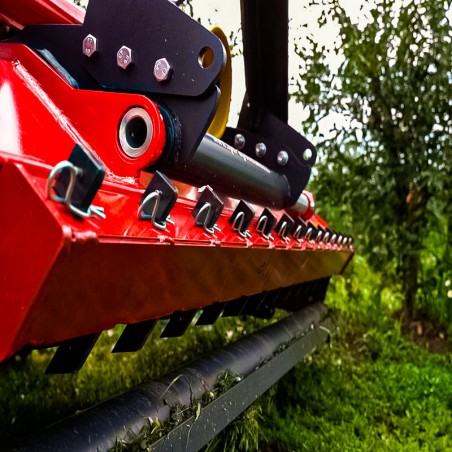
x=239, y=141
x=162, y=70
x=260, y=150
x=307, y=154
x=90, y=46
x=124, y=57
x=282, y=158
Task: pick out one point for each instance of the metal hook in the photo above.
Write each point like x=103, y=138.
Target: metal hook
x=283, y=230
x=297, y=235
x=145, y=216
x=74, y=171
x=206, y=207
x=263, y=219
x=237, y=228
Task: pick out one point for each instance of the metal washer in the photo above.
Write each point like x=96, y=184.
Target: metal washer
x=133, y=113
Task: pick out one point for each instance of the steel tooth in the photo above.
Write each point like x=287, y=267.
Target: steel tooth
x=179, y=323
x=210, y=314
x=300, y=295
x=262, y=305
x=322, y=289
x=297, y=292
x=254, y=301
x=312, y=291
x=85, y=188
x=71, y=355
x=284, y=297
x=134, y=336
x=235, y=307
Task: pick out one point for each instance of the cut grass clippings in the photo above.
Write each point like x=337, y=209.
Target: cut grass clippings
x=372, y=389
x=30, y=399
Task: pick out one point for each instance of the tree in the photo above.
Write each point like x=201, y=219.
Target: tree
x=389, y=167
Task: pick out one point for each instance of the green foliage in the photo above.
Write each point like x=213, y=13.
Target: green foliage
x=363, y=297
x=386, y=163
x=242, y=434
x=245, y=432
x=435, y=292
x=373, y=389
x=374, y=392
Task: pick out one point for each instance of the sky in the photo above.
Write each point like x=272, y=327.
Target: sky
x=226, y=14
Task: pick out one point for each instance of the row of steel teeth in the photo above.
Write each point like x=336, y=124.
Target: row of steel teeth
x=71, y=354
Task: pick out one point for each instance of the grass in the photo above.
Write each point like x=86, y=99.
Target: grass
x=369, y=391
x=374, y=388
x=30, y=399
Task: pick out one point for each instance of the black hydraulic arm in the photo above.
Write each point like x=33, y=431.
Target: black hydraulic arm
x=265, y=48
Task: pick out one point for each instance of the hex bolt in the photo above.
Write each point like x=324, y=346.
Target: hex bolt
x=90, y=46
x=124, y=57
x=239, y=141
x=282, y=158
x=260, y=149
x=162, y=70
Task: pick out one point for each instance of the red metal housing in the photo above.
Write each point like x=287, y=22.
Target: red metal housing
x=62, y=276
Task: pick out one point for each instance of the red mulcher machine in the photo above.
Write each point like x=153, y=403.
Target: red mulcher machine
x=125, y=199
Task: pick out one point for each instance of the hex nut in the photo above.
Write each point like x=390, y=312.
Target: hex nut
x=124, y=57
x=90, y=46
x=162, y=70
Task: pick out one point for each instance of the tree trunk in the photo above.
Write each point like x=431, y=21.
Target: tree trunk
x=411, y=255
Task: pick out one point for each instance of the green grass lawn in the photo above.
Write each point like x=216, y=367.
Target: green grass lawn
x=30, y=399
x=372, y=389
x=369, y=391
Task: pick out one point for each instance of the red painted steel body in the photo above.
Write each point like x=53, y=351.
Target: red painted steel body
x=18, y=13
x=63, y=277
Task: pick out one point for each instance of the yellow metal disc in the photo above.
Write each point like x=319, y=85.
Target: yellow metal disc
x=218, y=124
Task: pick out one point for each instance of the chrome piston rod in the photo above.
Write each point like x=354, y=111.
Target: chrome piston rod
x=232, y=173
